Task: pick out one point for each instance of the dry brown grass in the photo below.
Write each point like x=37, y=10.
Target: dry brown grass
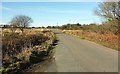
x=109, y=40
x=18, y=47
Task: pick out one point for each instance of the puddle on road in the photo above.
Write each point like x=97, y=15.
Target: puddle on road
x=44, y=66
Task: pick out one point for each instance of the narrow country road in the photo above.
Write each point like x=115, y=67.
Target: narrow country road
x=76, y=55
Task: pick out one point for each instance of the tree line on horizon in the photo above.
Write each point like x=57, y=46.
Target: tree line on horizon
x=108, y=11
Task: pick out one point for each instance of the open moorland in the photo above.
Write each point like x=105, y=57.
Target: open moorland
x=19, y=50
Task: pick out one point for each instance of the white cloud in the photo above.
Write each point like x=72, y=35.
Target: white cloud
x=2, y=23
x=7, y=8
x=70, y=11
x=66, y=11
x=53, y=10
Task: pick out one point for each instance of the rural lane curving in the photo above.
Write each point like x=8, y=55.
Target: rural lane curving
x=76, y=55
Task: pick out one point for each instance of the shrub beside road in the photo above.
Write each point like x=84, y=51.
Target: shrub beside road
x=109, y=40
x=20, y=50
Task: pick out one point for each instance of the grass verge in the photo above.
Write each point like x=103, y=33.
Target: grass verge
x=107, y=40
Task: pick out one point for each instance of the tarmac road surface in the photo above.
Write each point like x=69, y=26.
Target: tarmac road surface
x=76, y=55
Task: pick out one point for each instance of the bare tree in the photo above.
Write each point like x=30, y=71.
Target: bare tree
x=21, y=21
x=111, y=12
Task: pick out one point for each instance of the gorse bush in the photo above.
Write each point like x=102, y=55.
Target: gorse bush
x=22, y=49
x=104, y=28
x=14, y=44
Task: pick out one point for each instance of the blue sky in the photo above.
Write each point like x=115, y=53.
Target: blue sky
x=51, y=13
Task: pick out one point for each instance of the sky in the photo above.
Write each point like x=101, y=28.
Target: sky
x=51, y=13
